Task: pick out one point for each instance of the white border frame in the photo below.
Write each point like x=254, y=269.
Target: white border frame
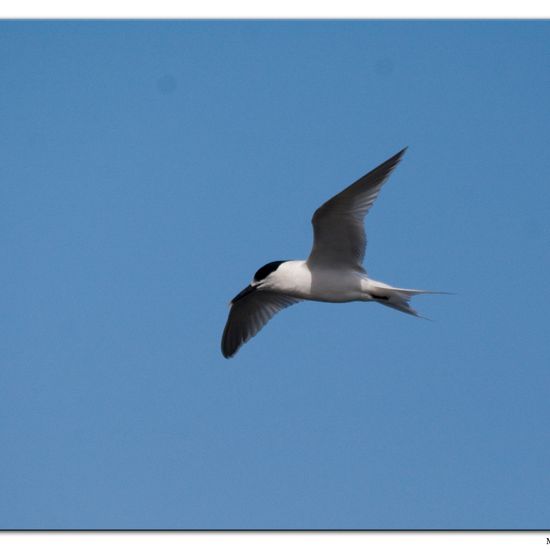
x=250, y=9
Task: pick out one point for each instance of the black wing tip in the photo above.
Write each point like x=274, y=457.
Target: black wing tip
x=397, y=157
x=229, y=351
x=387, y=166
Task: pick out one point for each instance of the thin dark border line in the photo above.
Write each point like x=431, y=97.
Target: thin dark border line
x=278, y=19
x=274, y=530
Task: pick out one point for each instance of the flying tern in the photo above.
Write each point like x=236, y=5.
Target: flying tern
x=332, y=273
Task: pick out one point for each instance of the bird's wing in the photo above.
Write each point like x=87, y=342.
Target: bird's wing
x=339, y=237
x=248, y=315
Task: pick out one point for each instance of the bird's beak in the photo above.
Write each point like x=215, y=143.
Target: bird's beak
x=248, y=290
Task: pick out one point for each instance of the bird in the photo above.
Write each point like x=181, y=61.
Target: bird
x=333, y=272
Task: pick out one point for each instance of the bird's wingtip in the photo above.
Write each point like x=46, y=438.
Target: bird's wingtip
x=395, y=159
x=226, y=352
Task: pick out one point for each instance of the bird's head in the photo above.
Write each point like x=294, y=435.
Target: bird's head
x=264, y=277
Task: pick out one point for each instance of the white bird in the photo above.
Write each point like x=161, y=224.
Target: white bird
x=332, y=273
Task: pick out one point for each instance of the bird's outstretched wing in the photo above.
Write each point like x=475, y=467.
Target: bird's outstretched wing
x=249, y=314
x=339, y=238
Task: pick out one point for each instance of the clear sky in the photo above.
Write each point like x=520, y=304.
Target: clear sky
x=148, y=169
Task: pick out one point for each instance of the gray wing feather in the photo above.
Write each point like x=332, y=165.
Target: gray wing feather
x=248, y=316
x=338, y=225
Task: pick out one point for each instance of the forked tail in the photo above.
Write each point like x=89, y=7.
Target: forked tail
x=398, y=298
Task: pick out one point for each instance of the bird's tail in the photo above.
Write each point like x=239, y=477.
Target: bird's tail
x=399, y=298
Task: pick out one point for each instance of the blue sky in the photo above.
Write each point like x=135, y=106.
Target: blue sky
x=149, y=168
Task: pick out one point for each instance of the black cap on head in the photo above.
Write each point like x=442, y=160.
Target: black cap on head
x=264, y=271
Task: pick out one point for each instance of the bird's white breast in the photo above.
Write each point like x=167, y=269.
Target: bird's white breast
x=297, y=279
